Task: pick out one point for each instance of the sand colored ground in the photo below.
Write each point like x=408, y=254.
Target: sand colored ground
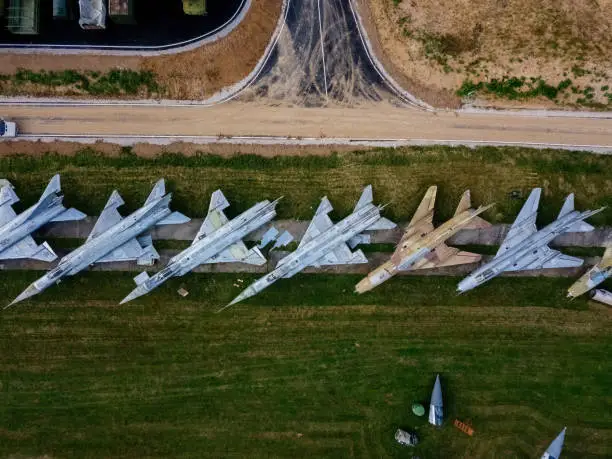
x=438, y=44
x=191, y=75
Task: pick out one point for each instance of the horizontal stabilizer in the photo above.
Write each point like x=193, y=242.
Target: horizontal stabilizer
x=141, y=278
x=254, y=257
x=268, y=237
x=8, y=197
x=341, y=255
x=464, y=203
x=580, y=227
x=382, y=224
x=44, y=253
x=218, y=201
x=158, y=192
x=365, y=199
x=69, y=215
x=175, y=218
x=359, y=239
x=148, y=257
x=283, y=240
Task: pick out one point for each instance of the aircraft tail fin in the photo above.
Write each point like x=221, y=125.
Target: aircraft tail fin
x=8, y=196
x=53, y=188
x=158, y=191
x=464, y=203
x=365, y=199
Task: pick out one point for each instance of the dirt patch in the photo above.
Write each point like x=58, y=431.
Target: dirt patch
x=439, y=45
x=194, y=74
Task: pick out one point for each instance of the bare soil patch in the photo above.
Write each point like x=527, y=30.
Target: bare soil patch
x=440, y=44
x=194, y=74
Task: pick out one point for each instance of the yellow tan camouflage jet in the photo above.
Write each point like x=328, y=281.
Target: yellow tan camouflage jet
x=595, y=276
x=423, y=247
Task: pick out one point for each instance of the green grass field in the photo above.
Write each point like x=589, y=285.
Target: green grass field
x=399, y=177
x=304, y=370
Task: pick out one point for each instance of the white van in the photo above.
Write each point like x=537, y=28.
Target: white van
x=7, y=128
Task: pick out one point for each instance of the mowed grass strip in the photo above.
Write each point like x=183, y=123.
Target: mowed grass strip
x=306, y=369
x=399, y=177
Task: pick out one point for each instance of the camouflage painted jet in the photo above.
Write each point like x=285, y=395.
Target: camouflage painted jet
x=114, y=238
x=325, y=243
x=219, y=240
x=15, y=230
x=527, y=248
x=595, y=276
x=423, y=247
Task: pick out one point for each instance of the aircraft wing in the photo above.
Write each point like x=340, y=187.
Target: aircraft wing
x=319, y=223
x=131, y=250
x=444, y=255
x=524, y=225
x=422, y=220
x=109, y=216
x=341, y=255
x=215, y=218
x=7, y=199
x=239, y=252
x=27, y=248
x=547, y=258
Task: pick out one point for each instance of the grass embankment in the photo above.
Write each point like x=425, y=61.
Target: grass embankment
x=307, y=370
x=73, y=83
x=399, y=177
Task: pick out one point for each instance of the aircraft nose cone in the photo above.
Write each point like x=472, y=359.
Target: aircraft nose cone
x=27, y=293
x=136, y=293
x=363, y=286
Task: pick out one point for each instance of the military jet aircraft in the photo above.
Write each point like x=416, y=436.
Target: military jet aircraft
x=218, y=241
x=595, y=276
x=325, y=243
x=527, y=248
x=436, y=414
x=554, y=449
x=15, y=230
x=114, y=238
x=423, y=247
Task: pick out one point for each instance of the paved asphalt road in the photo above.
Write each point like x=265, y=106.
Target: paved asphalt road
x=375, y=121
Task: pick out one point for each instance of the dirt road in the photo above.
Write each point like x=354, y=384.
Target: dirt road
x=379, y=121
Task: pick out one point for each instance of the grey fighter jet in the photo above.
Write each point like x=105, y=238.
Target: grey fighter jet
x=15, y=230
x=554, y=449
x=325, y=243
x=527, y=248
x=218, y=241
x=114, y=238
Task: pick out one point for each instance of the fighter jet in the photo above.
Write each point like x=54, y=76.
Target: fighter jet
x=527, y=248
x=114, y=238
x=436, y=416
x=595, y=276
x=423, y=247
x=15, y=230
x=218, y=241
x=325, y=243
x=554, y=449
